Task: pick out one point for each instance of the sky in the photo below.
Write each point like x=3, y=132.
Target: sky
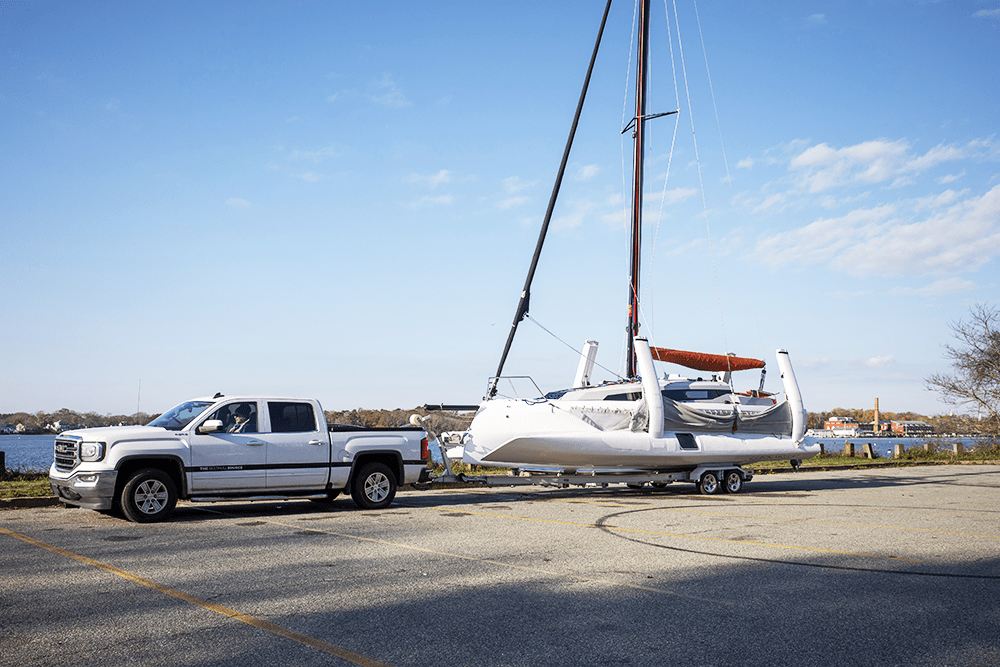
x=340, y=200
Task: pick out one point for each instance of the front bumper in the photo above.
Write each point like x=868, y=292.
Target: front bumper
x=90, y=490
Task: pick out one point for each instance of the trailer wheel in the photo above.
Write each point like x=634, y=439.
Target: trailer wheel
x=148, y=496
x=709, y=484
x=734, y=481
x=374, y=487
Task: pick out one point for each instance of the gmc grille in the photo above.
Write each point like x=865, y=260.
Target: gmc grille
x=67, y=454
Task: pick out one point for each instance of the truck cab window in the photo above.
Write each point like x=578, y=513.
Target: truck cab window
x=291, y=417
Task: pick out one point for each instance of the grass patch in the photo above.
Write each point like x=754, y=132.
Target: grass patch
x=24, y=483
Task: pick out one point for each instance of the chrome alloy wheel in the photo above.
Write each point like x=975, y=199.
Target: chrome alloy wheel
x=377, y=487
x=151, y=496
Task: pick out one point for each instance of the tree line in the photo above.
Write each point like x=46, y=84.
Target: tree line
x=38, y=422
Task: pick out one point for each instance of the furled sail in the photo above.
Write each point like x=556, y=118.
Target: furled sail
x=701, y=361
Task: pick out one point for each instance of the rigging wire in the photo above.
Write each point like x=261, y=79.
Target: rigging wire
x=625, y=197
x=729, y=180
x=666, y=176
x=578, y=352
x=701, y=180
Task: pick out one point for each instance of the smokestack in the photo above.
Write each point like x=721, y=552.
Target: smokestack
x=875, y=425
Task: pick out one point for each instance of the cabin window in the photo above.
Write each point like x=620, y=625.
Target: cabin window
x=687, y=441
x=624, y=397
x=291, y=417
x=694, y=394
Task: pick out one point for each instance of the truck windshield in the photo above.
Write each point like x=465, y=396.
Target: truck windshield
x=176, y=418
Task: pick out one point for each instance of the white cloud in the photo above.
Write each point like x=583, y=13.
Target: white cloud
x=431, y=180
x=578, y=211
x=431, y=201
x=514, y=184
x=943, y=287
x=950, y=178
x=745, y=163
x=820, y=167
x=113, y=104
x=314, y=156
x=988, y=14
x=587, y=172
x=511, y=202
x=310, y=177
x=816, y=19
x=947, y=234
x=237, y=202
x=879, y=362
x=387, y=93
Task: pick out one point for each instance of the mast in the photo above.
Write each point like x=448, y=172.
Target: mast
x=638, y=135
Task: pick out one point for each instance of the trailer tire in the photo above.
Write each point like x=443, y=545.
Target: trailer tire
x=709, y=484
x=148, y=496
x=733, y=481
x=374, y=487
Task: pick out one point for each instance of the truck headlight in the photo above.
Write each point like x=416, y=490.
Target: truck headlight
x=91, y=451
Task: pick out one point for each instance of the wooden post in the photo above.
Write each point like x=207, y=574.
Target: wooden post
x=849, y=449
x=822, y=449
x=3, y=462
x=869, y=450
x=957, y=448
x=927, y=447
x=898, y=451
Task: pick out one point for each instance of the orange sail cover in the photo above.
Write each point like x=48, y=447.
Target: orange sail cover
x=700, y=361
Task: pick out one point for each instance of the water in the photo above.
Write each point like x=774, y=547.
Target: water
x=35, y=451
x=28, y=451
x=886, y=446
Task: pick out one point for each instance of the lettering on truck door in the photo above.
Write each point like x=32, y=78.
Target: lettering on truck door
x=232, y=458
x=298, y=450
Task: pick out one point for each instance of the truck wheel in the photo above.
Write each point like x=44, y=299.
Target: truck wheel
x=709, y=484
x=374, y=487
x=734, y=481
x=148, y=496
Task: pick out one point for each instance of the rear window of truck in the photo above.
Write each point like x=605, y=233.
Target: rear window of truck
x=291, y=417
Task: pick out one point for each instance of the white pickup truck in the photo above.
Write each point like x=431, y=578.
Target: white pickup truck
x=233, y=447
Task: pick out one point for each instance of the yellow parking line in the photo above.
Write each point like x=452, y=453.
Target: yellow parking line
x=311, y=642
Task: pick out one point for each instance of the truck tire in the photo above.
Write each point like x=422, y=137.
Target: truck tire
x=148, y=496
x=374, y=487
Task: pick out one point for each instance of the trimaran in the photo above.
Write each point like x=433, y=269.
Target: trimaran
x=668, y=428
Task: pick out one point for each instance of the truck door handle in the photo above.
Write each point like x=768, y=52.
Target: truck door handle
x=255, y=443
x=315, y=442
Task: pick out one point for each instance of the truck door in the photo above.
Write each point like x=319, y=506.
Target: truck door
x=298, y=447
x=230, y=459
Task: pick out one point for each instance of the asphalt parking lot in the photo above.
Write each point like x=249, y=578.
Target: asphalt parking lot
x=878, y=567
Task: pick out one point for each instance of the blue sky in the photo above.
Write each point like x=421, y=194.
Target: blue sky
x=341, y=199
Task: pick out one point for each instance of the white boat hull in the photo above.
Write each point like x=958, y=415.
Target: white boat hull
x=573, y=435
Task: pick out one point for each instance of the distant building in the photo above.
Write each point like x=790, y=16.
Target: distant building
x=911, y=428
x=841, y=426
x=884, y=428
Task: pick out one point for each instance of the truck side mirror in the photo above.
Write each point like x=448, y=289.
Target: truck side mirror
x=211, y=426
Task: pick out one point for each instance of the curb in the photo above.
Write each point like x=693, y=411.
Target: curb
x=25, y=503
